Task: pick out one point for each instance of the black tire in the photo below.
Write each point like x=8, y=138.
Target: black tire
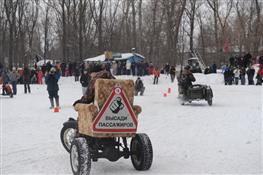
x=210, y=101
x=65, y=138
x=80, y=159
x=142, y=152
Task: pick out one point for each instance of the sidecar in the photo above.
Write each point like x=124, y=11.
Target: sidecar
x=196, y=92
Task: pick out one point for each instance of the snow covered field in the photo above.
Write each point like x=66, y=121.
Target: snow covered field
x=225, y=138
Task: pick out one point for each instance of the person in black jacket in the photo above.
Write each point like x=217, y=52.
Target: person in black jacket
x=26, y=79
x=186, y=79
x=51, y=81
x=139, y=87
x=84, y=80
x=250, y=75
x=76, y=73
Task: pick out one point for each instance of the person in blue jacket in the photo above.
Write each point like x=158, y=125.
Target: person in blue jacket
x=51, y=80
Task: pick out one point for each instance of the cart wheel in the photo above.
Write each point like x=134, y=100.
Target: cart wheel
x=80, y=159
x=67, y=135
x=142, y=152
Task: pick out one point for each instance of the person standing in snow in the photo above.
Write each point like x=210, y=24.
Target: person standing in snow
x=259, y=76
x=39, y=76
x=237, y=75
x=26, y=79
x=250, y=75
x=172, y=73
x=167, y=68
x=242, y=76
x=5, y=80
x=156, y=73
x=84, y=80
x=139, y=87
x=51, y=80
x=13, y=77
x=76, y=73
x=128, y=67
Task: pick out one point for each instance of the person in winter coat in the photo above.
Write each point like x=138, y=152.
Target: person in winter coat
x=250, y=75
x=186, y=78
x=172, y=73
x=156, y=73
x=26, y=80
x=128, y=67
x=139, y=87
x=214, y=68
x=84, y=80
x=13, y=77
x=259, y=76
x=76, y=73
x=51, y=80
x=242, y=76
x=5, y=80
x=237, y=75
x=90, y=93
x=167, y=68
x=229, y=75
x=39, y=76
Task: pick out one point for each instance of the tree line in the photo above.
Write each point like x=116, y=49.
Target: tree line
x=161, y=30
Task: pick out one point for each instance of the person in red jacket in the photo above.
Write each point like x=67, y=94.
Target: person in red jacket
x=259, y=76
x=156, y=73
x=40, y=76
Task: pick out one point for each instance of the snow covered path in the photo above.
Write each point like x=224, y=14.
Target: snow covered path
x=195, y=138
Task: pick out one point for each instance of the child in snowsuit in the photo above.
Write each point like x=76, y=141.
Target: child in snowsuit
x=51, y=80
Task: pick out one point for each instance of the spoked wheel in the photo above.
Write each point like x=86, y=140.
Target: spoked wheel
x=67, y=135
x=80, y=159
x=142, y=152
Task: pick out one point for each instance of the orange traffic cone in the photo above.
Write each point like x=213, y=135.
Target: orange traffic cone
x=56, y=109
x=165, y=94
x=169, y=90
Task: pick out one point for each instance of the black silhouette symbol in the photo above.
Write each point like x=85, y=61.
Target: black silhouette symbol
x=116, y=105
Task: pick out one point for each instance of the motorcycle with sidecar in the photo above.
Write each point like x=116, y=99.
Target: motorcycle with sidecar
x=107, y=129
x=195, y=92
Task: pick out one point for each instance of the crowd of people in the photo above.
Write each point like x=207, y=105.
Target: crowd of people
x=237, y=69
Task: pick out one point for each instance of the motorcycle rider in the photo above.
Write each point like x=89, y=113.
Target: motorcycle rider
x=186, y=79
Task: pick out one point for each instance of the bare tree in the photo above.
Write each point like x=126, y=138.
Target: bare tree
x=10, y=10
x=31, y=21
x=174, y=12
x=97, y=14
x=190, y=10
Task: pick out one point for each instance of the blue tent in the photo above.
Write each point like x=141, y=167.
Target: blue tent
x=133, y=58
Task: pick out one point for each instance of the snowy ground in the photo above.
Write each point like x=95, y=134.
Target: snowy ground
x=191, y=139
